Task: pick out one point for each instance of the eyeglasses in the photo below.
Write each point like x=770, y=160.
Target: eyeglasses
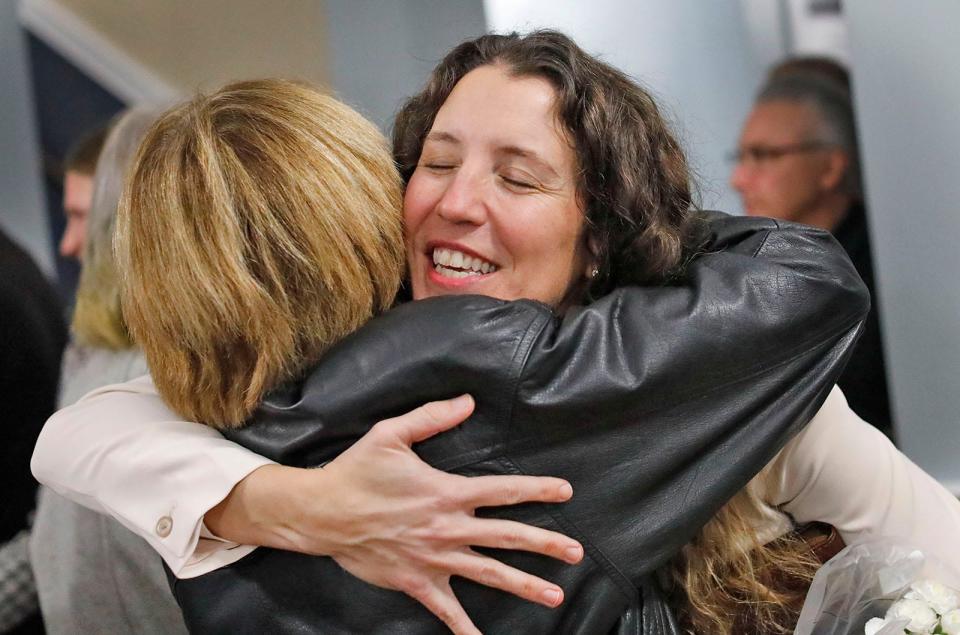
x=760, y=155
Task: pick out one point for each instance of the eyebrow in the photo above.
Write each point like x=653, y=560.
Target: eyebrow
x=440, y=136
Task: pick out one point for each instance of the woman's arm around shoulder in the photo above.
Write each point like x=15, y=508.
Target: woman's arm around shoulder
x=843, y=471
x=380, y=511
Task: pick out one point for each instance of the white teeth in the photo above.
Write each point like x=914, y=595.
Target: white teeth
x=456, y=264
x=454, y=273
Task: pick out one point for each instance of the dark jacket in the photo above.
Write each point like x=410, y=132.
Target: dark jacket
x=32, y=337
x=657, y=404
x=864, y=380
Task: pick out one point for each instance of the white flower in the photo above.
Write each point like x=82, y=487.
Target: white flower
x=950, y=622
x=941, y=598
x=922, y=618
x=874, y=624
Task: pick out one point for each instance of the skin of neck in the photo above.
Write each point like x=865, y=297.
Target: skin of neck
x=828, y=212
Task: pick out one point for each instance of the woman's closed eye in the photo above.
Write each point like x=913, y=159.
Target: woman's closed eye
x=439, y=166
x=519, y=182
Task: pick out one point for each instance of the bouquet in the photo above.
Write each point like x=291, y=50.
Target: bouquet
x=882, y=588
x=928, y=607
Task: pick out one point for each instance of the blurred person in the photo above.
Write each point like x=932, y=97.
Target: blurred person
x=798, y=160
x=79, y=167
x=32, y=337
x=92, y=575
x=820, y=66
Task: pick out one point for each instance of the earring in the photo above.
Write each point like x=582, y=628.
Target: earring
x=594, y=272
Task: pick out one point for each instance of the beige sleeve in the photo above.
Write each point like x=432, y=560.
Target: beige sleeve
x=842, y=471
x=121, y=451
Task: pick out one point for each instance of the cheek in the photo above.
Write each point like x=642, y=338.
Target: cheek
x=771, y=183
x=417, y=203
x=553, y=244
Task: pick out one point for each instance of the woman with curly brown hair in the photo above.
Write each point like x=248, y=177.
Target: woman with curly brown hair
x=532, y=170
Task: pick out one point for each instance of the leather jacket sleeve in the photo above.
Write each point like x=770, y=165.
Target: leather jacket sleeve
x=657, y=403
x=691, y=389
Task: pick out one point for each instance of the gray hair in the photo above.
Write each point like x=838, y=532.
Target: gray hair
x=97, y=319
x=831, y=101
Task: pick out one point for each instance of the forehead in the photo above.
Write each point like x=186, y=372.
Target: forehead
x=488, y=105
x=779, y=122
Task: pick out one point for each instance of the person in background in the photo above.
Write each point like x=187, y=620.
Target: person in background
x=92, y=575
x=32, y=337
x=79, y=167
x=18, y=599
x=33, y=326
x=797, y=160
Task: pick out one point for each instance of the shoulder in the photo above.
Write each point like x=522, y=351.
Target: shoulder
x=87, y=368
x=823, y=454
x=843, y=471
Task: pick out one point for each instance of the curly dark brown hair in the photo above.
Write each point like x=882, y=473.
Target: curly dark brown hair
x=634, y=182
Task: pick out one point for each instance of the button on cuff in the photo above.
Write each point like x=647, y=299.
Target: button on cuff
x=164, y=526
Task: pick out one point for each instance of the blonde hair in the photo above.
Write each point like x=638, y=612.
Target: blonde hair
x=97, y=318
x=260, y=225
x=734, y=578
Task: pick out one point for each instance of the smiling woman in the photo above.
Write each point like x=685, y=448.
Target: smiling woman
x=526, y=157
x=513, y=135
x=496, y=182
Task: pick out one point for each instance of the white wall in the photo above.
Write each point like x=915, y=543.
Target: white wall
x=382, y=52
x=817, y=33
x=22, y=210
x=697, y=57
x=769, y=27
x=906, y=59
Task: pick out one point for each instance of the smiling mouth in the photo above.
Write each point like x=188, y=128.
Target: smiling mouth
x=451, y=263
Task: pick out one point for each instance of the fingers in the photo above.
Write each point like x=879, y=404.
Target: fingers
x=509, y=534
x=496, y=491
x=495, y=574
x=441, y=601
x=431, y=418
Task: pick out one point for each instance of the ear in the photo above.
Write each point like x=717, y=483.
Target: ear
x=593, y=251
x=838, y=162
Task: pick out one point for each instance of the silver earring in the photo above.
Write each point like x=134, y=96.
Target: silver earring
x=594, y=273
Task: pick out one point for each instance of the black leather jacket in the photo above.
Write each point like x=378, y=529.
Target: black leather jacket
x=657, y=404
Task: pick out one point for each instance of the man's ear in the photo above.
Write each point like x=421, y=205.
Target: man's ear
x=838, y=162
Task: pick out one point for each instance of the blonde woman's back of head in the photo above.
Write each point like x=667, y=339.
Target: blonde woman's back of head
x=97, y=319
x=260, y=225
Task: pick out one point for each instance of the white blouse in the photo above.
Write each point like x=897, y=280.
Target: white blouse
x=121, y=451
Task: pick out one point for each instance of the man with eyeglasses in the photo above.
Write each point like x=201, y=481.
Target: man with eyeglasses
x=797, y=160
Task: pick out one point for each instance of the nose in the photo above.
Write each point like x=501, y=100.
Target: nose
x=69, y=245
x=463, y=199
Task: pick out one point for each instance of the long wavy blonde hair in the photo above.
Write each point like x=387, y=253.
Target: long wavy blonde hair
x=97, y=318
x=260, y=224
x=745, y=571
